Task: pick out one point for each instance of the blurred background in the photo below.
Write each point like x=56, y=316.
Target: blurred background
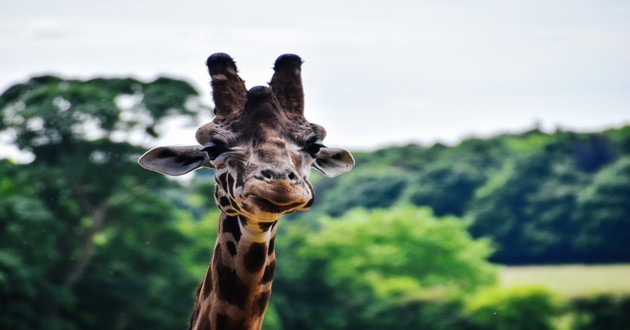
x=492, y=143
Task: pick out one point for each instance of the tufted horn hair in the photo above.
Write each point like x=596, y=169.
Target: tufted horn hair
x=286, y=83
x=228, y=89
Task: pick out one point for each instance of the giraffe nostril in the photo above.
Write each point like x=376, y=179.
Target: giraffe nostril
x=267, y=174
x=270, y=175
x=292, y=176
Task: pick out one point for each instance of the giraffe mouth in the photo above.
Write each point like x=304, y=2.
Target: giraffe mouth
x=267, y=205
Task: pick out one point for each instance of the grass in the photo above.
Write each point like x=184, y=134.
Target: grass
x=571, y=281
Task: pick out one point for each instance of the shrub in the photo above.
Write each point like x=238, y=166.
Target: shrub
x=516, y=308
x=602, y=312
x=383, y=269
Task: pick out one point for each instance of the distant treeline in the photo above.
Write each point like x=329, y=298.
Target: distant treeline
x=542, y=198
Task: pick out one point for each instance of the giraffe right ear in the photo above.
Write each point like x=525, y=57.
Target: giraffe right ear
x=333, y=161
x=174, y=160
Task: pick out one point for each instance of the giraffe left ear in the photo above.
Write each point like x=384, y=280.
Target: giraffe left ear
x=333, y=161
x=174, y=160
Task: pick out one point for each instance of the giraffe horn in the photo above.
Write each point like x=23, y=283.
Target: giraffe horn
x=286, y=83
x=228, y=89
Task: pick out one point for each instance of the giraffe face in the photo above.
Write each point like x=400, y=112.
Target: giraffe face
x=262, y=159
x=259, y=144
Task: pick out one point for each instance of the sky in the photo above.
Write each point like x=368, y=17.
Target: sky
x=375, y=73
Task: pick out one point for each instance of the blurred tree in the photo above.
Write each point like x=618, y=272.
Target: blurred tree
x=370, y=189
x=528, y=209
x=603, y=215
x=521, y=190
x=447, y=187
x=88, y=242
x=601, y=312
x=519, y=308
x=353, y=269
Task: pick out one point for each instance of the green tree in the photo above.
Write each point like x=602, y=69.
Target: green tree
x=601, y=312
x=603, y=215
x=519, y=308
x=88, y=241
x=528, y=208
x=447, y=187
x=353, y=269
x=368, y=189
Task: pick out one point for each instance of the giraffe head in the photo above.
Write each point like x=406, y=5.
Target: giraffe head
x=259, y=144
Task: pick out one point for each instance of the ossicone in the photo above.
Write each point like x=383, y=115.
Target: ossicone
x=217, y=63
x=287, y=61
x=228, y=89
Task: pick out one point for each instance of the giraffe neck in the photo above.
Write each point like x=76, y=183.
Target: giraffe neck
x=237, y=285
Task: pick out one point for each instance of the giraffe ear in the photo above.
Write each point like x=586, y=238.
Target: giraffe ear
x=333, y=161
x=174, y=160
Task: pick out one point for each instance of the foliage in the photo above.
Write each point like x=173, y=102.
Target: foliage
x=603, y=214
x=88, y=239
x=601, y=312
x=370, y=190
x=447, y=187
x=393, y=260
x=516, y=308
x=541, y=198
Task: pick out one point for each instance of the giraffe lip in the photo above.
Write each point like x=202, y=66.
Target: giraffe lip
x=268, y=205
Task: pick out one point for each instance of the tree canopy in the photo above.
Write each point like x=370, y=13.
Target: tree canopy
x=355, y=269
x=541, y=198
x=82, y=227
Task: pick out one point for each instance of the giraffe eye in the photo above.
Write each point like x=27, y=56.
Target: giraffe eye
x=214, y=150
x=313, y=149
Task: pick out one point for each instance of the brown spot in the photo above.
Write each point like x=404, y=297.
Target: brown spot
x=255, y=257
x=230, y=287
x=261, y=302
x=268, y=274
x=207, y=284
x=225, y=322
x=231, y=247
x=264, y=226
x=272, y=244
x=224, y=201
x=216, y=256
x=222, y=180
x=240, y=182
x=230, y=185
x=230, y=225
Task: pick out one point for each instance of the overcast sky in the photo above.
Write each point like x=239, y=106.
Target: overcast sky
x=376, y=72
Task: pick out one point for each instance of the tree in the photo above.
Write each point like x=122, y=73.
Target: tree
x=519, y=308
x=603, y=215
x=353, y=269
x=368, y=189
x=447, y=187
x=88, y=241
x=528, y=208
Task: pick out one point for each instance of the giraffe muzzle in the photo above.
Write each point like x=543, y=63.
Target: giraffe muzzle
x=278, y=196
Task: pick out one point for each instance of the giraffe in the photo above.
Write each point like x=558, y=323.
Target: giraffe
x=262, y=149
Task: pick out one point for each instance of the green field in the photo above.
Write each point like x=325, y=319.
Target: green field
x=571, y=281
